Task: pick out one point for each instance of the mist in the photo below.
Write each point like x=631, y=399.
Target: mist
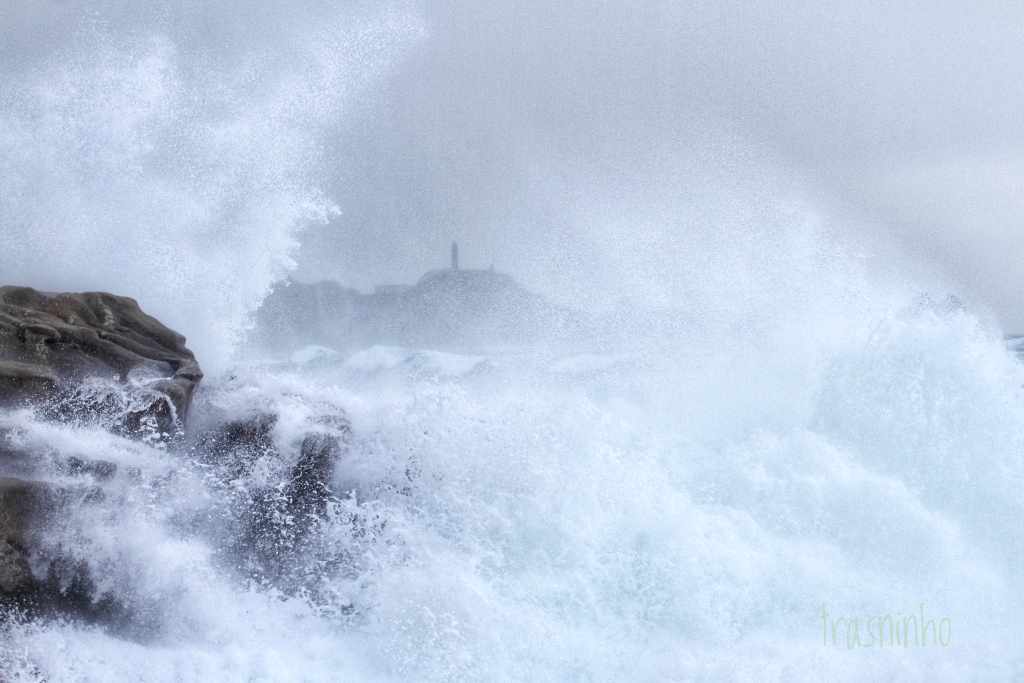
x=175, y=153
x=609, y=152
x=578, y=144
x=741, y=362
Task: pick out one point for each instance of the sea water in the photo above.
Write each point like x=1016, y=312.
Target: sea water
x=525, y=516
x=797, y=472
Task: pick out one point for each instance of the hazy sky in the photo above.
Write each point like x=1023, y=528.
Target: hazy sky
x=897, y=118
x=596, y=137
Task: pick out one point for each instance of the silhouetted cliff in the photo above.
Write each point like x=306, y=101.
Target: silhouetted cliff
x=452, y=309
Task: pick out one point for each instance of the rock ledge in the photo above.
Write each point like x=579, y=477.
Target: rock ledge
x=50, y=344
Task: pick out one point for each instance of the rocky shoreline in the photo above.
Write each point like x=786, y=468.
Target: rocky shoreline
x=56, y=348
x=97, y=359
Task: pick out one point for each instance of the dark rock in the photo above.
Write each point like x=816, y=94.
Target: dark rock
x=25, y=461
x=310, y=486
x=21, y=503
x=61, y=585
x=235, y=446
x=28, y=511
x=53, y=345
x=101, y=470
x=89, y=357
x=26, y=381
x=272, y=506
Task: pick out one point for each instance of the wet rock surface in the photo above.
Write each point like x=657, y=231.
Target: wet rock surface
x=94, y=354
x=20, y=503
x=270, y=489
x=91, y=358
x=275, y=500
x=81, y=361
x=39, y=578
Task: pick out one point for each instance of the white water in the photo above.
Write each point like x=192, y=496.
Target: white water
x=658, y=519
x=675, y=503
x=181, y=177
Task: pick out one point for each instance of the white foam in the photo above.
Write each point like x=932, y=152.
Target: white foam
x=382, y=358
x=310, y=353
x=585, y=364
x=378, y=358
x=128, y=166
x=515, y=525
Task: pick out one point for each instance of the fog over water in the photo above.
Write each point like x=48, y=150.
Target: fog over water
x=523, y=131
x=757, y=367
x=533, y=133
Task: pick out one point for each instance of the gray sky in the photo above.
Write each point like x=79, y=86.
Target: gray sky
x=900, y=119
x=623, y=141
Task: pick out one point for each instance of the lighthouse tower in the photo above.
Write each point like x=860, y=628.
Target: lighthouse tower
x=455, y=256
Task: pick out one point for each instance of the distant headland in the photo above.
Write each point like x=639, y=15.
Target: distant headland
x=450, y=308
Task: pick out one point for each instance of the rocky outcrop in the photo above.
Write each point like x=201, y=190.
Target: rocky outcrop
x=94, y=353
x=91, y=357
x=37, y=578
x=273, y=501
x=20, y=502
